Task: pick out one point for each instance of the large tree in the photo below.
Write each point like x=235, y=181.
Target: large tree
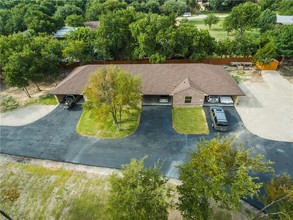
x=145, y=31
x=218, y=170
x=284, y=41
x=140, y=193
x=267, y=20
x=242, y=17
x=112, y=91
x=114, y=31
x=177, y=7
x=278, y=198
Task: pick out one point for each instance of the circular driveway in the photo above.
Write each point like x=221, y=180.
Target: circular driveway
x=54, y=137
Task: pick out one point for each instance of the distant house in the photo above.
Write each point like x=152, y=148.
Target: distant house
x=60, y=34
x=284, y=19
x=181, y=84
x=92, y=24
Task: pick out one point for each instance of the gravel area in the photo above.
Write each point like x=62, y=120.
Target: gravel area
x=267, y=108
x=25, y=115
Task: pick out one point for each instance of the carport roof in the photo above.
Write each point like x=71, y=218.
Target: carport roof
x=160, y=79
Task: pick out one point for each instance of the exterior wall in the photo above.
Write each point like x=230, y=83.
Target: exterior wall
x=197, y=98
x=59, y=98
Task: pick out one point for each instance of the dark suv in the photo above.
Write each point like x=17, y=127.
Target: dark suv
x=219, y=120
x=69, y=101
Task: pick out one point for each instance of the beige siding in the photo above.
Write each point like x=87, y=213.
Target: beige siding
x=197, y=98
x=59, y=98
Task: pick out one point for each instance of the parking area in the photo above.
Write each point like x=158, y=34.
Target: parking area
x=164, y=100
x=267, y=108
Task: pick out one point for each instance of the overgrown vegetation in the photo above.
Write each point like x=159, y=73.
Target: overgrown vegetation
x=7, y=103
x=50, y=193
x=187, y=120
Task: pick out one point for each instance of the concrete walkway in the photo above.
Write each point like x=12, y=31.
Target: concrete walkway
x=267, y=109
x=25, y=115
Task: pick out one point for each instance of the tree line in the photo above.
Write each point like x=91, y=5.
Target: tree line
x=126, y=33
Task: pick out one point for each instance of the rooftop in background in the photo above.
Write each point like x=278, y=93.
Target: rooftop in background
x=160, y=79
x=92, y=24
x=284, y=19
x=60, y=34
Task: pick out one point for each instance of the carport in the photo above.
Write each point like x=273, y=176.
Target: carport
x=155, y=100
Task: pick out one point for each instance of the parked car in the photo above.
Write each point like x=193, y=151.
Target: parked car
x=163, y=99
x=226, y=100
x=187, y=14
x=219, y=119
x=213, y=99
x=69, y=101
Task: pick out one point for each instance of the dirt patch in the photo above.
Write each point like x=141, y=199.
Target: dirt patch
x=20, y=96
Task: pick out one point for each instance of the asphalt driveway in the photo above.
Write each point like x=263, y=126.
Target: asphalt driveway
x=54, y=137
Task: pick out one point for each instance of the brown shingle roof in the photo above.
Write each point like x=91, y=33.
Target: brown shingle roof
x=92, y=24
x=160, y=79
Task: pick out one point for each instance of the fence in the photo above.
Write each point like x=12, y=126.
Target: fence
x=215, y=61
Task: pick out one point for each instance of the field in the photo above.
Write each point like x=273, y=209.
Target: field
x=217, y=30
x=41, y=189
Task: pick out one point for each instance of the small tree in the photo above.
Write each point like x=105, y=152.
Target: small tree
x=112, y=91
x=265, y=54
x=140, y=193
x=218, y=170
x=210, y=20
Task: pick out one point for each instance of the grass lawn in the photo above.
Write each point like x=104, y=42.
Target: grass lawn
x=217, y=31
x=50, y=193
x=189, y=120
x=43, y=100
x=89, y=126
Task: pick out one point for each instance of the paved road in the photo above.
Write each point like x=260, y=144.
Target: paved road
x=54, y=137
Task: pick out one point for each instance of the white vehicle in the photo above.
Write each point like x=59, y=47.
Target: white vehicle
x=163, y=99
x=213, y=99
x=226, y=100
x=187, y=14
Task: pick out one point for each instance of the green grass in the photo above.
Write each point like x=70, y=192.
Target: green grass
x=217, y=30
x=89, y=126
x=43, y=100
x=48, y=193
x=189, y=120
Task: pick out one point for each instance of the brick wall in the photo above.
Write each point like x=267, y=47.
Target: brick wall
x=197, y=98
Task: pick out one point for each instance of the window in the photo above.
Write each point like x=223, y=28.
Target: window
x=188, y=99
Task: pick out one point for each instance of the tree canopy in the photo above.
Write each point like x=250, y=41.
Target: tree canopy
x=284, y=40
x=242, y=17
x=218, y=170
x=112, y=92
x=278, y=197
x=140, y=193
